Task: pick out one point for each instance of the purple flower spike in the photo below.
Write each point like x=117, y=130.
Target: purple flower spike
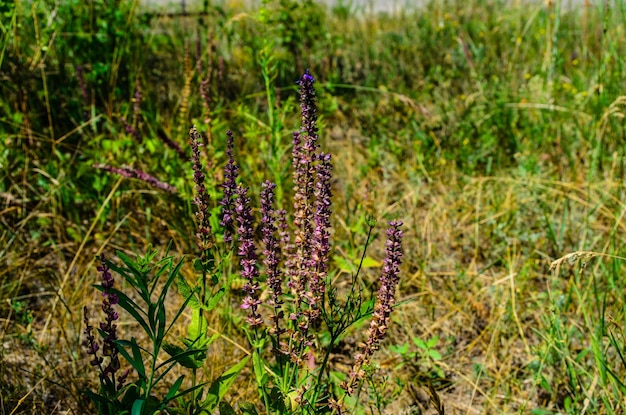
x=132, y=173
x=230, y=186
x=385, y=300
x=110, y=299
x=321, y=234
x=309, y=110
x=90, y=344
x=249, y=270
x=272, y=253
x=204, y=237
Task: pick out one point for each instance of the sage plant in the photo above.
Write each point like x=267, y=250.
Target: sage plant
x=107, y=360
x=289, y=301
x=295, y=266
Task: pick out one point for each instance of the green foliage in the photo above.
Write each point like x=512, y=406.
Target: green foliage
x=145, y=276
x=425, y=354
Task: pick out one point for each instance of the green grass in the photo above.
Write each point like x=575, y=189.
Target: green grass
x=495, y=133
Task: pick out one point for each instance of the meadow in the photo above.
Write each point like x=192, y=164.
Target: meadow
x=302, y=209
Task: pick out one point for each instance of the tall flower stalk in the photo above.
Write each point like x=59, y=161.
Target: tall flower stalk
x=132, y=173
x=106, y=360
x=249, y=272
x=272, y=254
x=385, y=299
x=309, y=218
x=229, y=188
x=204, y=238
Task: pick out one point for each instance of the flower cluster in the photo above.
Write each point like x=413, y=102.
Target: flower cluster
x=229, y=186
x=132, y=173
x=204, y=238
x=311, y=204
x=272, y=254
x=249, y=272
x=131, y=128
x=172, y=144
x=385, y=300
x=304, y=255
x=108, y=329
x=321, y=234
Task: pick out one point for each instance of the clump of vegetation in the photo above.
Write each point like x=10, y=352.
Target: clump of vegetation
x=290, y=348
x=495, y=132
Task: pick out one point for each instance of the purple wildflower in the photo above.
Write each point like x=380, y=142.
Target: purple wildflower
x=321, y=234
x=204, y=238
x=272, y=255
x=172, y=144
x=249, y=270
x=108, y=327
x=283, y=229
x=385, y=300
x=132, y=173
x=230, y=176
x=130, y=130
x=90, y=343
x=301, y=268
x=121, y=379
x=309, y=110
x=108, y=330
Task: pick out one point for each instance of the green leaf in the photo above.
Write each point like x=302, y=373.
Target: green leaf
x=259, y=372
x=181, y=309
x=226, y=409
x=137, y=365
x=137, y=357
x=432, y=342
x=138, y=406
x=420, y=343
x=186, y=292
x=170, y=280
x=97, y=398
x=172, y=392
x=134, y=268
x=132, y=392
x=202, y=342
x=401, y=349
x=184, y=357
x=344, y=265
x=434, y=354
x=197, y=265
x=198, y=325
x=151, y=318
x=369, y=262
x=221, y=385
x=215, y=300
x=161, y=322
x=248, y=408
